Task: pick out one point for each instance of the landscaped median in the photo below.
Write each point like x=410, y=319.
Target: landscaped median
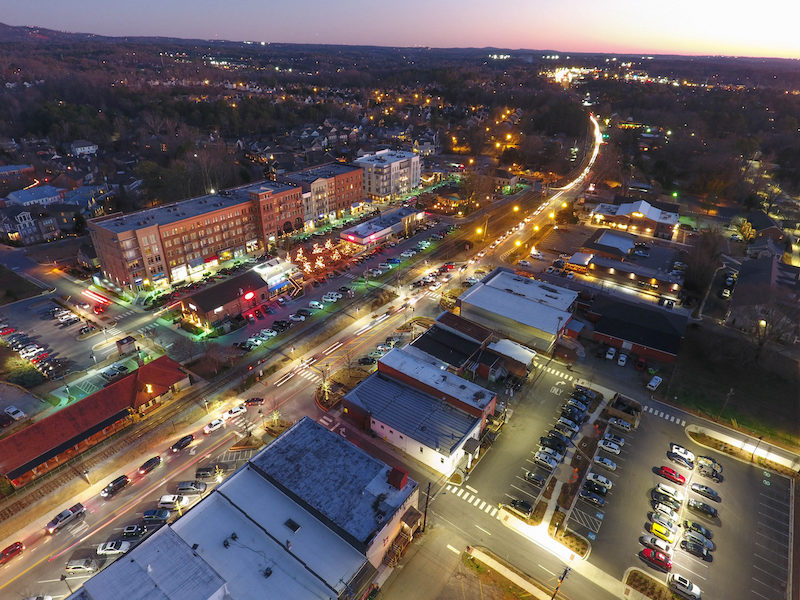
x=495, y=572
x=647, y=587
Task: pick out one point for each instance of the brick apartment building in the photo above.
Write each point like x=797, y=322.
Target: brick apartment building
x=170, y=243
x=328, y=190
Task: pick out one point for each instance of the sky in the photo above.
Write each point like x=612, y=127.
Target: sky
x=766, y=28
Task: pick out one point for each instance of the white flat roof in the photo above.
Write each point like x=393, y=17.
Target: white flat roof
x=513, y=350
x=531, y=289
x=382, y=157
x=431, y=375
x=310, y=562
x=163, y=567
x=515, y=307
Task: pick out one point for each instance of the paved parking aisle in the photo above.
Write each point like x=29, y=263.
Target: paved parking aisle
x=771, y=541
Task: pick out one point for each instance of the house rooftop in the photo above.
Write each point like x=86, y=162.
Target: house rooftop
x=463, y=327
x=336, y=481
x=434, y=377
x=35, y=444
x=40, y=192
x=639, y=324
x=638, y=208
x=308, y=176
x=419, y=416
x=226, y=291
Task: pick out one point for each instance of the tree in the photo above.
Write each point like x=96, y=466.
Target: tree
x=702, y=262
x=770, y=315
x=475, y=187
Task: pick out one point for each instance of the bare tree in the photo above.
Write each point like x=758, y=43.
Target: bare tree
x=702, y=263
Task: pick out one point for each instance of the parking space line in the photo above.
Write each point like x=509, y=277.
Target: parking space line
x=771, y=564
x=690, y=571
x=760, y=545
x=760, y=594
x=771, y=498
x=762, y=583
x=782, y=532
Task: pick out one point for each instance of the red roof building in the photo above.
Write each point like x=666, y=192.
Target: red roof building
x=49, y=442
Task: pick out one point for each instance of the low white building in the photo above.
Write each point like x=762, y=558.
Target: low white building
x=389, y=173
x=310, y=516
x=531, y=312
x=82, y=148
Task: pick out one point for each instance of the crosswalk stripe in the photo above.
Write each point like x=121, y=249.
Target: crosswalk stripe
x=488, y=508
x=477, y=501
x=494, y=512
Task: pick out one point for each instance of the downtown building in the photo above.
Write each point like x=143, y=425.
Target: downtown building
x=389, y=173
x=171, y=243
x=329, y=191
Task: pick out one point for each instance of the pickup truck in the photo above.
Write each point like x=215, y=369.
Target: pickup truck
x=65, y=517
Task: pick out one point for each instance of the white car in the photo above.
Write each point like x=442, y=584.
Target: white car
x=619, y=424
x=556, y=456
x=316, y=304
x=236, y=410
x=435, y=286
x=545, y=460
x=608, y=446
x=407, y=254
x=622, y=360
x=268, y=333
x=213, y=426
x=15, y=413
x=524, y=263
x=606, y=463
x=668, y=512
x=611, y=353
x=30, y=352
x=332, y=297
x=614, y=439
x=297, y=318
x=604, y=481
x=682, y=586
x=255, y=341
x=670, y=491
x=656, y=544
x=473, y=280
x=681, y=451
x=113, y=548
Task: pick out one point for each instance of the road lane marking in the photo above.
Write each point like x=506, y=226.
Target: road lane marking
x=546, y=570
x=483, y=530
x=453, y=550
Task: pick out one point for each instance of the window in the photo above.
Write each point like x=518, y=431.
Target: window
x=442, y=459
x=382, y=427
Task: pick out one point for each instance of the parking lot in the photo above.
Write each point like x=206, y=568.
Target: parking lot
x=750, y=534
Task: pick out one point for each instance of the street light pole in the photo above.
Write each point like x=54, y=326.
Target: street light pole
x=561, y=579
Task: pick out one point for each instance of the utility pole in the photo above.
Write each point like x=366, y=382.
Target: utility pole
x=560, y=581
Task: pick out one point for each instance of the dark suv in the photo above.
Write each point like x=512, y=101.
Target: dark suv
x=115, y=486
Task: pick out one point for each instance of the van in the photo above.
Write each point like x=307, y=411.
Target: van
x=172, y=502
x=189, y=488
x=654, y=383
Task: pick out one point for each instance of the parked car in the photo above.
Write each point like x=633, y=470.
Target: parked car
x=606, y=463
x=611, y=353
x=592, y=497
x=595, y=488
x=693, y=536
x=695, y=549
x=695, y=526
x=704, y=490
x=615, y=439
x=297, y=317
x=156, y=516
x=681, y=451
x=367, y=360
x=657, y=559
x=114, y=548
x=522, y=506
x=670, y=491
x=665, y=499
x=672, y=475
x=134, y=532
x=599, y=479
x=608, y=446
x=682, y=586
x=15, y=413
x=680, y=460
x=619, y=424
x=702, y=507
x=622, y=360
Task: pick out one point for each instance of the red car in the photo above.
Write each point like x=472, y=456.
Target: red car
x=10, y=552
x=657, y=559
x=7, y=331
x=98, y=308
x=39, y=357
x=672, y=475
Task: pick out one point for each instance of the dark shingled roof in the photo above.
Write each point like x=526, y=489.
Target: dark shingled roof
x=222, y=293
x=639, y=324
x=446, y=346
